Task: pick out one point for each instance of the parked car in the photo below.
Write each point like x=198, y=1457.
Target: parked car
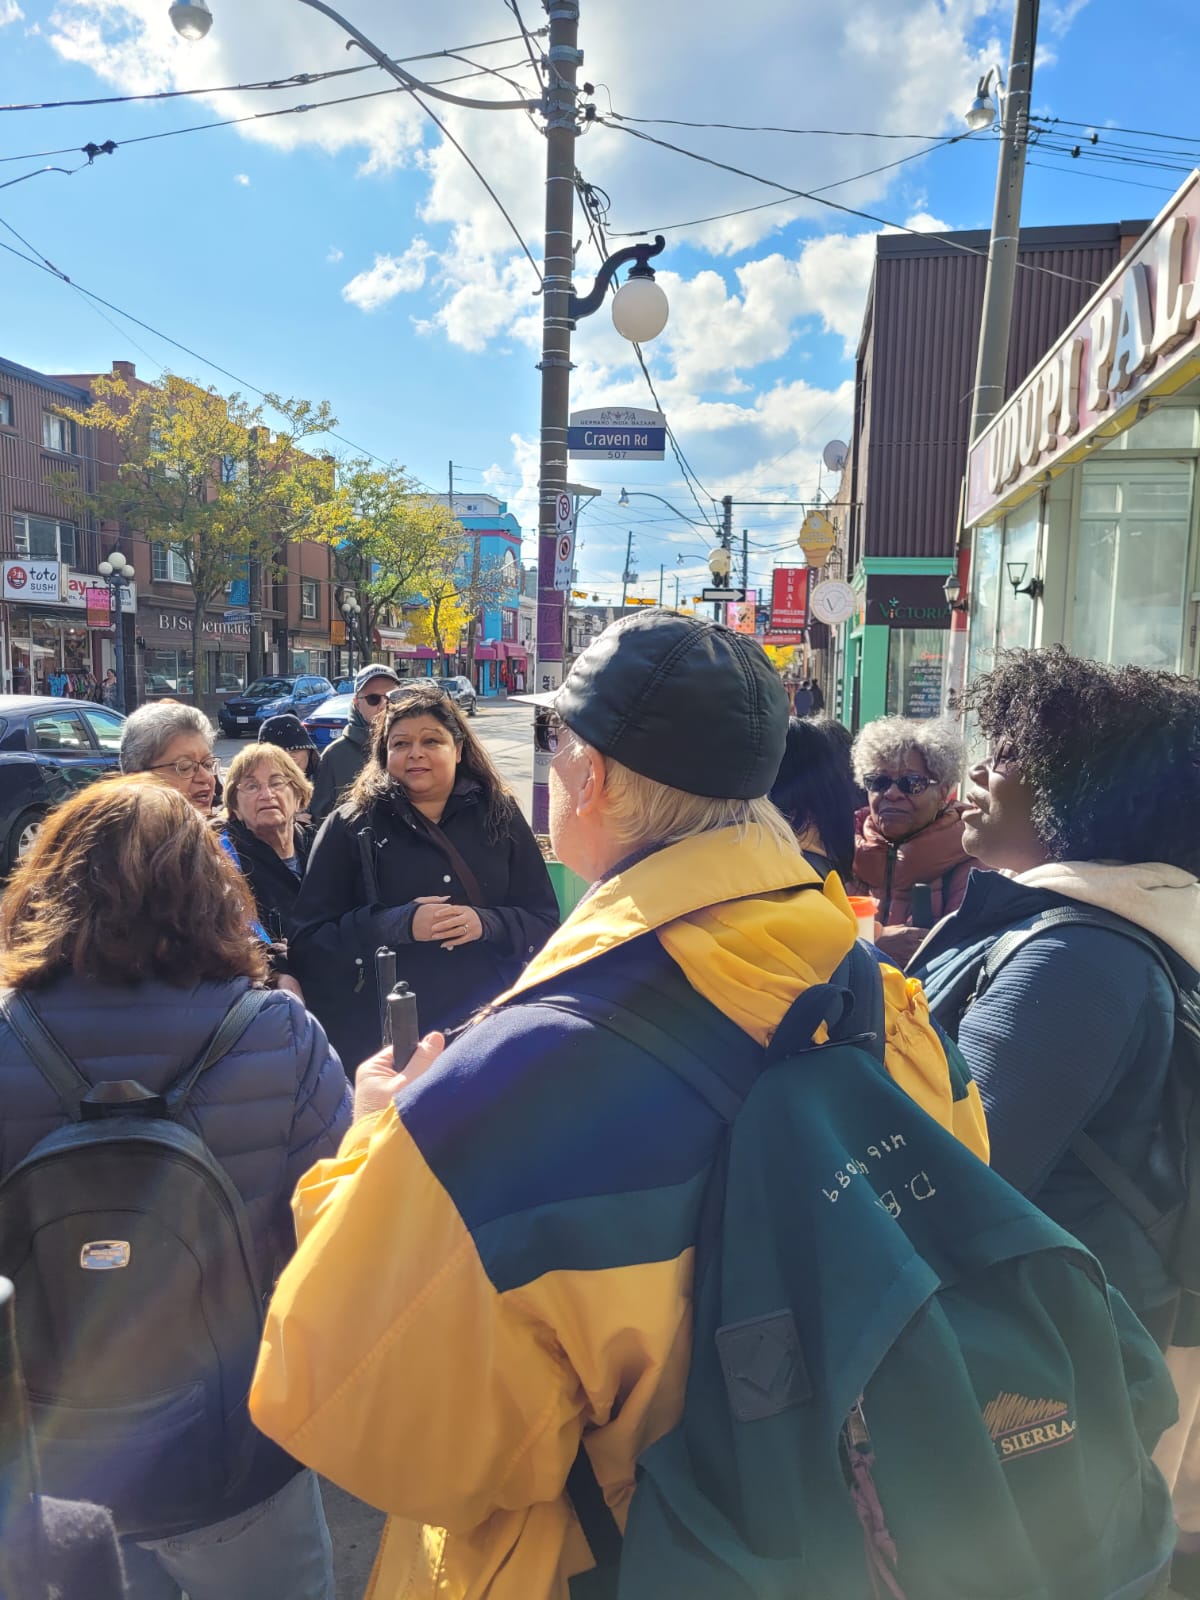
x=243, y=714
x=330, y=719
x=461, y=691
x=49, y=748
x=344, y=686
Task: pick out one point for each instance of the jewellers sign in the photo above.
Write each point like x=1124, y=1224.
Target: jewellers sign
x=34, y=582
x=1139, y=332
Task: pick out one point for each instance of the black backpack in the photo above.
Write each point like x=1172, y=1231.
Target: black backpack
x=1174, y=1230
x=139, y=1309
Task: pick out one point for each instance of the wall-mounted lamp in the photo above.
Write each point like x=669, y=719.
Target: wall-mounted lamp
x=1016, y=576
x=952, y=589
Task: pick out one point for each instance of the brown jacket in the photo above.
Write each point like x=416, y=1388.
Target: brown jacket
x=922, y=877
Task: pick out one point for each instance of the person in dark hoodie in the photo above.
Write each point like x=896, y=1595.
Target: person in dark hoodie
x=346, y=755
x=432, y=856
x=1087, y=799
x=908, y=851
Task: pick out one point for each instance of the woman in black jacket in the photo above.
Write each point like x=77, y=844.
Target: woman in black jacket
x=431, y=856
x=265, y=793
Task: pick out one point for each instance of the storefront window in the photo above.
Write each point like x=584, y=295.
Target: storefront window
x=231, y=671
x=168, y=672
x=1167, y=428
x=1131, y=561
x=915, y=661
x=985, y=585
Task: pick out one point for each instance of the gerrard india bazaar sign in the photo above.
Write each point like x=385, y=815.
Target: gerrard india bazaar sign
x=1140, y=331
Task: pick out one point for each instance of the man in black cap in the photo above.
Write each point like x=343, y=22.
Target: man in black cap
x=499, y=1262
x=346, y=755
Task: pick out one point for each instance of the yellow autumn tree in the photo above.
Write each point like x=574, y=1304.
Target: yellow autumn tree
x=203, y=474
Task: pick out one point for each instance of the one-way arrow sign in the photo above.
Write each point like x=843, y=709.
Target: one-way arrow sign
x=723, y=594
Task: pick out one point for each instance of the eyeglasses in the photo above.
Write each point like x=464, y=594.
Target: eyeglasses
x=185, y=766
x=275, y=785
x=374, y=700
x=909, y=783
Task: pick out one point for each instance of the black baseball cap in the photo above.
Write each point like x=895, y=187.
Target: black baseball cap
x=683, y=702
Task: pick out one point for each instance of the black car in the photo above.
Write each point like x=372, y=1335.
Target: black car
x=49, y=748
x=461, y=691
x=243, y=714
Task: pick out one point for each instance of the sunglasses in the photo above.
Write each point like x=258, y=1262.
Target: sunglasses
x=373, y=700
x=909, y=783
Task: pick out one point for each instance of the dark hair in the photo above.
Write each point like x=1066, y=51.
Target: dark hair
x=1112, y=754
x=428, y=700
x=126, y=882
x=815, y=787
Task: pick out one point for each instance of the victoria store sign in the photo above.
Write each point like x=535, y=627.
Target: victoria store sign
x=1141, y=328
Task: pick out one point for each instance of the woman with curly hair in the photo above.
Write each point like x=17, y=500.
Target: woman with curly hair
x=430, y=855
x=1087, y=803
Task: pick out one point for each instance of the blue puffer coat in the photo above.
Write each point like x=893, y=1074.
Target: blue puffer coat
x=278, y=1102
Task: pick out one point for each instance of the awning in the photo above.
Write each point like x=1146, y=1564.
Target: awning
x=514, y=652
x=487, y=652
x=415, y=652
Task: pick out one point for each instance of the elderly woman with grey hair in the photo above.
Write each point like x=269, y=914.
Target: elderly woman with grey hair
x=174, y=742
x=908, y=849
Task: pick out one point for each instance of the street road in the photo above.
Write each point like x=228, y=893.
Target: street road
x=504, y=729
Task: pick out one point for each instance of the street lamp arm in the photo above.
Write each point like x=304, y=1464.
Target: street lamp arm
x=381, y=59
x=585, y=305
x=644, y=494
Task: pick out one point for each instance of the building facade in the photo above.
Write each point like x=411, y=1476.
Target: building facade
x=492, y=566
x=51, y=640
x=898, y=506
x=1081, y=496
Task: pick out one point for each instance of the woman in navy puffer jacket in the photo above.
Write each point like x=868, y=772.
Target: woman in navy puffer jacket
x=125, y=930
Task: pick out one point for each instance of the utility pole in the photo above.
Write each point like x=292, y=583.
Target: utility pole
x=677, y=591
x=746, y=562
x=625, y=576
x=255, y=664
x=991, y=366
x=721, y=610
x=661, y=579
x=558, y=262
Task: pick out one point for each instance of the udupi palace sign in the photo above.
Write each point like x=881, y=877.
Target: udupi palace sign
x=1140, y=331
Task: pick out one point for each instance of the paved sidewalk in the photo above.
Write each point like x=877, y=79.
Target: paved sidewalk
x=355, y=1529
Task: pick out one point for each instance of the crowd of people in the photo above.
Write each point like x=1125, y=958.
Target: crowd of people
x=484, y=1263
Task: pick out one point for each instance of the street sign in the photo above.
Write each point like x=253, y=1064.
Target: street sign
x=564, y=511
x=617, y=433
x=235, y=616
x=737, y=595
x=564, y=560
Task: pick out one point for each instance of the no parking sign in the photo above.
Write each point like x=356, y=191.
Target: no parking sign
x=564, y=547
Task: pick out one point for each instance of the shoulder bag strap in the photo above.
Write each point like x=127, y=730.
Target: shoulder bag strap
x=47, y=1055
x=229, y=1030
x=439, y=838
x=1098, y=1162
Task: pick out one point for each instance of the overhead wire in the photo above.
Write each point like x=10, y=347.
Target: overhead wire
x=836, y=205
x=293, y=80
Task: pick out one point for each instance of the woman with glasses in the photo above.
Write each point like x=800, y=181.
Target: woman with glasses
x=265, y=792
x=431, y=856
x=908, y=848
x=174, y=742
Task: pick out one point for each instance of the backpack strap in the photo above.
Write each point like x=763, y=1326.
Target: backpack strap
x=229, y=1030
x=1098, y=1162
x=44, y=1050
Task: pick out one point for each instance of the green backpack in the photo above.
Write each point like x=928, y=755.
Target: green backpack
x=906, y=1381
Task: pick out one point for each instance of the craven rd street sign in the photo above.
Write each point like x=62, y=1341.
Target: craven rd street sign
x=617, y=433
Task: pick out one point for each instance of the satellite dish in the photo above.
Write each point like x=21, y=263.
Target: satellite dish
x=834, y=455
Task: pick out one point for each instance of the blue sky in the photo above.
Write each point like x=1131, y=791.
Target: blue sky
x=351, y=255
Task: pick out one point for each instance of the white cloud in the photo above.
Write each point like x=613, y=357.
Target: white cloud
x=387, y=277
x=335, y=255
x=10, y=12
x=242, y=178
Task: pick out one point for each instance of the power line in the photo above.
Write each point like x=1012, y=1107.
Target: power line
x=836, y=205
x=294, y=80
x=253, y=116
x=43, y=264
x=528, y=37
x=740, y=127
x=1100, y=177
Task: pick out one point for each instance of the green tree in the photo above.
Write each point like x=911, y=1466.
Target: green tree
x=391, y=539
x=203, y=474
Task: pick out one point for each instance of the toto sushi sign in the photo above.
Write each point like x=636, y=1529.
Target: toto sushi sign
x=1139, y=332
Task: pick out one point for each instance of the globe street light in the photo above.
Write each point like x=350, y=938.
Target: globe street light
x=116, y=570
x=350, y=611
x=191, y=21
x=981, y=113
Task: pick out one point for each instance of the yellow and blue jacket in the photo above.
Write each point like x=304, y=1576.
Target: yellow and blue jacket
x=504, y=1262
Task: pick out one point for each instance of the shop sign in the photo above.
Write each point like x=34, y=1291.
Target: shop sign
x=1139, y=330
x=789, y=600
x=78, y=584
x=180, y=622
x=817, y=538
x=617, y=433
x=34, y=581
x=833, y=601
x=907, y=600
x=99, y=606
